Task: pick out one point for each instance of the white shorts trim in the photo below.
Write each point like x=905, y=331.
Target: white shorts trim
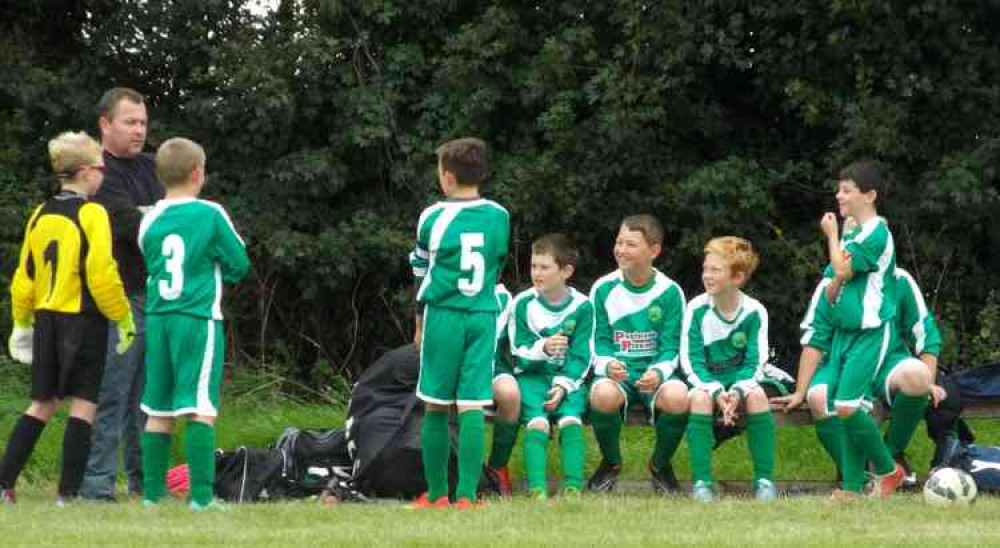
x=538, y=420
x=825, y=390
x=436, y=401
x=566, y=421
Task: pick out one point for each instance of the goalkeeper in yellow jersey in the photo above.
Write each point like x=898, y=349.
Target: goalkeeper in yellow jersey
x=65, y=289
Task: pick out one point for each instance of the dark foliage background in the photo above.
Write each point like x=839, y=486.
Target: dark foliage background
x=320, y=118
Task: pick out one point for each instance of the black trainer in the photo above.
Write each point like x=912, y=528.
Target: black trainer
x=664, y=480
x=605, y=478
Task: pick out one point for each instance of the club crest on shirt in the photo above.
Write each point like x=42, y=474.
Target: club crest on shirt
x=739, y=340
x=568, y=327
x=654, y=313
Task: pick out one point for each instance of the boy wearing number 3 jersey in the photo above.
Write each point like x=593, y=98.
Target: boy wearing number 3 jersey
x=461, y=249
x=190, y=248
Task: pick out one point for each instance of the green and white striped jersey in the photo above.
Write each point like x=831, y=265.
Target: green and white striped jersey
x=914, y=322
x=868, y=299
x=190, y=248
x=639, y=326
x=461, y=249
x=534, y=320
x=712, y=346
x=502, y=361
x=817, y=324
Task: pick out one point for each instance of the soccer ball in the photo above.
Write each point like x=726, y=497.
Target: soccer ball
x=948, y=486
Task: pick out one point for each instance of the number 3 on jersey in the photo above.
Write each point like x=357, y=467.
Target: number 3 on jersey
x=173, y=251
x=472, y=260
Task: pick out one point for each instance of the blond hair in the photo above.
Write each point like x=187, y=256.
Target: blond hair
x=737, y=252
x=70, y=151
x=176, y=159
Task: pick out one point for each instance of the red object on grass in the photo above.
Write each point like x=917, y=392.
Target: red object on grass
x=178, y=480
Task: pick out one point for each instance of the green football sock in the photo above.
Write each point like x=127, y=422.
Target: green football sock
x=573, y=448
x=669, y=432
x=199, y=444
x=864, y=436
x=155, y=461
x=907, y=412
x=852, y=464
x=761, y=438
x=701, y=438
x=535, y=443
x=830, y=432
x=504, y=439
x=435, y=445
x=607, y=430
x=471, y=449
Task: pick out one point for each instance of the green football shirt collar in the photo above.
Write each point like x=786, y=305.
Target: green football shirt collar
x=639, y=288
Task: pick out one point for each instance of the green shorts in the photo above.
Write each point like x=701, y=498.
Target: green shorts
x=457, y=350
x=535, y=392
x=732, y=379
x=894, y=361
x=856, y=358
x=503, y=363
x=637, y=398
x=183, y=365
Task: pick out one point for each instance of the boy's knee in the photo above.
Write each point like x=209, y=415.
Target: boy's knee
x=816, y=398
x=672, y=397
x=606, y=397
x=83, y=410
x=43, y=409
x=846, y=412
x=436, y=407
x=701, y=402
x=507, y=398
x=913, y=379
x=540, y=424
x=756, y=401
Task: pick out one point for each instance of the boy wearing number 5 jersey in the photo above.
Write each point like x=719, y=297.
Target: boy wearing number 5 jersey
x=190, y=248
x=461, y=249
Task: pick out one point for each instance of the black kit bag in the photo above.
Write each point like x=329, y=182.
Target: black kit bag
x=313, y=458
x=383, y=430
x=249, y=475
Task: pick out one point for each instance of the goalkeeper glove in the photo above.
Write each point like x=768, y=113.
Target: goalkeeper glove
x=126, y=333
x=21, y=341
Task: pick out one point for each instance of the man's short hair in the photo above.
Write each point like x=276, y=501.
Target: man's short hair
x=467, y=159
x=70, y=151
x=868, y=175
x=559, y=246
x=648, y=225
x=738, y=253
x=108, y=104
x=176, y=159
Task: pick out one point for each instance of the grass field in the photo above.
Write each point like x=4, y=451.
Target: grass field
x=256, y=418
x=592, y=521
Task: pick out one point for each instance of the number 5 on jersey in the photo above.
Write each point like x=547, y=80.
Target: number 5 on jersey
x=472, y=260
x=173, y=250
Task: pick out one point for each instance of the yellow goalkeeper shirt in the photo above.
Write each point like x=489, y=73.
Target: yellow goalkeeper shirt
x=66, y=263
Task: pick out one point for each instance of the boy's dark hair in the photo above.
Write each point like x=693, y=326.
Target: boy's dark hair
x=467, y=159
x=559, y=246
x=649, y=225
x=108, y=104
x=868, y=175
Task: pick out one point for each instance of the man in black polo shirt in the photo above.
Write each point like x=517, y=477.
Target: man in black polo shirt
x=130, y=188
